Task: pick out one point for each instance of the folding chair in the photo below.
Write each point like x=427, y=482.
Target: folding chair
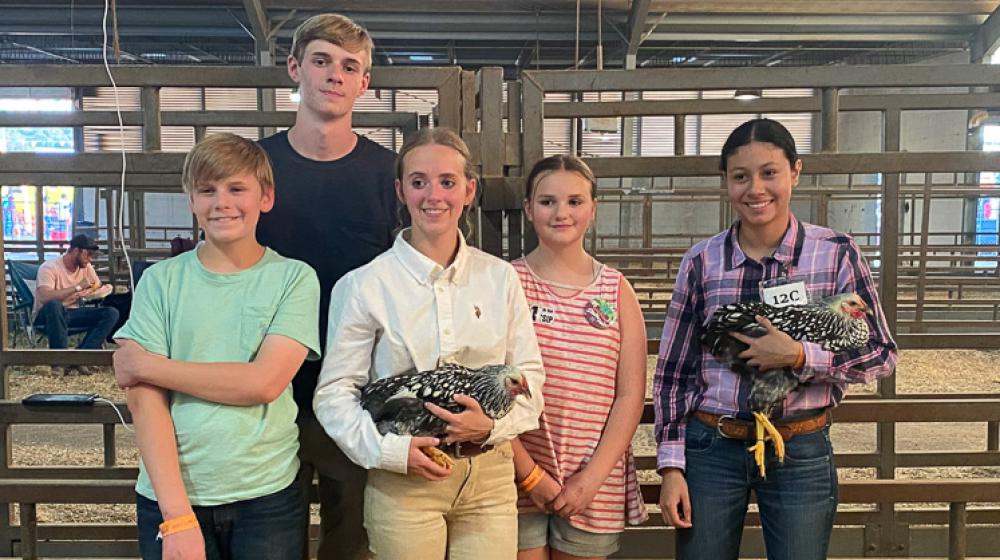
x=23, y=276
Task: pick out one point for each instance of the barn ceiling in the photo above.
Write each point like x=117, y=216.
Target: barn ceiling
x=517, y=34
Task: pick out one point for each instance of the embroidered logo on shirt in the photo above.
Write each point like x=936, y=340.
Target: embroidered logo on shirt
x=479, y=312
x=545, y=315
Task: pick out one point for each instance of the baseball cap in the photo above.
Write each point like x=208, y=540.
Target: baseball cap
x=82, y=241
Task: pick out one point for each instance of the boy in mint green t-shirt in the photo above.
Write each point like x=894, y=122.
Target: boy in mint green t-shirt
x=214, y=338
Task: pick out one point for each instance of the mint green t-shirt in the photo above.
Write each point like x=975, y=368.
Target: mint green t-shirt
x=185, y=312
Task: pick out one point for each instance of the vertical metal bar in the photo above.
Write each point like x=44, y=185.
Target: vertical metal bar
x=137, y=229
x=450, y=100
x=6, y=439
x=889, y=261
x=889, y=239
x=993, y=435
x=469, y=105
x=40, y=222
x=925, y=223
x=112, y=220
x=956, y=531
x=647, y=222
x=6, y=532
x=29, y=532
x=110, y=448
x=830, y=116
x=491, y=231
x=491, y=107
x=518, y=240
x=533, y=116
x=679, y=134
x=491, y=148
x=822, y=209
x=4, y=326
x=149, y=99
x=534, y=121
x=513, y=158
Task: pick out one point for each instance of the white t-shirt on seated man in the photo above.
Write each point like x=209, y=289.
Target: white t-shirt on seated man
x=60, y=285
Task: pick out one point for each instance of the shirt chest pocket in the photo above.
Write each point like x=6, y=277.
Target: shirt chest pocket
x=255, y=320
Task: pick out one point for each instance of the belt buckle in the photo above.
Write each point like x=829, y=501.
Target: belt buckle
x=718, y=425
x=454, y=449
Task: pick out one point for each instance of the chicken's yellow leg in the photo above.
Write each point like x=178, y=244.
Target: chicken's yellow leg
x=758, y=448
x=438, y=456
x=779, y=442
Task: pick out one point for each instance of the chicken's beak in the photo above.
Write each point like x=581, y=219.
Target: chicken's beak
x=526, y=389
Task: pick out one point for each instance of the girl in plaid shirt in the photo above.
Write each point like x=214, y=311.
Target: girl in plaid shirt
x=707, y=476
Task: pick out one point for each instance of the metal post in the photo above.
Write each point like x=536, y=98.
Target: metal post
x=29, y=532
x=110, y=448
x=956, y=531
x=6, y=436
x=889, y=239
x=889, y=262
x=532, y=98
x=450, y=100
x=492, y=150
x=831, y=114
x=149, y=99
x=925, y=223
x=679, y=134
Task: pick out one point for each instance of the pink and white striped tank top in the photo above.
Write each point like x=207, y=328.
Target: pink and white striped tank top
x=581, y=364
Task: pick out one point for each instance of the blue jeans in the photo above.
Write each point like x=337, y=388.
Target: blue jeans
x=265, y=528
x=58, y=320
x=797, y=500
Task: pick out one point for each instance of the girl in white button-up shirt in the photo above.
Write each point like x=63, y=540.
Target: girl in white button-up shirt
x=431, y=299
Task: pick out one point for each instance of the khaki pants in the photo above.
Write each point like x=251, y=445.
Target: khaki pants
x=470, y=515
x=341, y=494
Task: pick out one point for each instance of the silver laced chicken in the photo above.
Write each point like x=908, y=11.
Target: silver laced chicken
x=396, y=403
x=838, y=323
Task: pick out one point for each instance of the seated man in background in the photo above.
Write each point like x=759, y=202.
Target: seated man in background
x=62, y=282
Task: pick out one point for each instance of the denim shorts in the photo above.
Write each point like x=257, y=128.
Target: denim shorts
x=535, y=530
x=271, y=527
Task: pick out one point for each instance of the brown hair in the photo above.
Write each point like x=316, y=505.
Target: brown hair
x=559, y=162
x=337, y=29
x=440, y=136
x=223, y=155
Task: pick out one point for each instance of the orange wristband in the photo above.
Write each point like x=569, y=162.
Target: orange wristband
x=178, y=524
x=532, y=480
x=801, y=360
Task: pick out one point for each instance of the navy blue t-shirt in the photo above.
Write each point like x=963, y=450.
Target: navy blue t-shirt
x=334, y=215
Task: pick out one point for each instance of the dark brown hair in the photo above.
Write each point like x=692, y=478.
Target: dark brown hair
x=759, y=130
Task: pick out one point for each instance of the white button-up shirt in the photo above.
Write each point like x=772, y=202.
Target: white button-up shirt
x=404, y=312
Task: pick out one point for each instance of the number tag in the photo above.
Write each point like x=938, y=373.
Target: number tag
x=793, y=293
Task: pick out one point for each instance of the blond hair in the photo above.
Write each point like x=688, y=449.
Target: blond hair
x=337, y=29
x=223, y=155
x=439, y=136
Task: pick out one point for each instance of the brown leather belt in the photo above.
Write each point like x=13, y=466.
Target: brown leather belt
x=466, y=449
x=734, y=428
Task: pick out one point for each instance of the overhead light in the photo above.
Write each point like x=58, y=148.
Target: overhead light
x=421, y=58
x=746, y=94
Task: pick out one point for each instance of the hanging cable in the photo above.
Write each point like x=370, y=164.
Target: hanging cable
x=121, y=145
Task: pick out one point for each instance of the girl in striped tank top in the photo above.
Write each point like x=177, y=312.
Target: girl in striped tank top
x=576, y=474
